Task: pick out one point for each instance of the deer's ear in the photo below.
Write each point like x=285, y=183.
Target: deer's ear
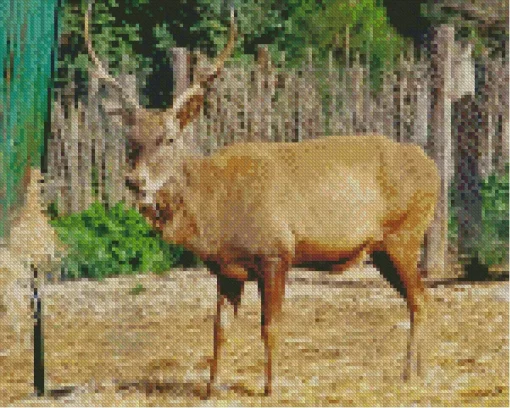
x=190, y=109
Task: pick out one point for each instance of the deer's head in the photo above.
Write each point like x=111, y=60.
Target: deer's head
x=157, y=134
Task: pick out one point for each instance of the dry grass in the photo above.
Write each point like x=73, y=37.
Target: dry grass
x=32, y=241
x=341, y=345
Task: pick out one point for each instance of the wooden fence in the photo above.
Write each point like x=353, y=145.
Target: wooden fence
x=86, y=152
x=268, y=101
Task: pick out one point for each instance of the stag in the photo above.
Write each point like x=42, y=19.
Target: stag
x=251, y=211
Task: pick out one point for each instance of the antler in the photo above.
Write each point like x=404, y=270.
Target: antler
x=101, y=70
x=227, y=51
x=196, y=90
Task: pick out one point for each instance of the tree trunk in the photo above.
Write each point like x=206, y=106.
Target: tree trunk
x=436, y=265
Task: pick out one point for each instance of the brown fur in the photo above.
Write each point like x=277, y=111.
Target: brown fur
x=253, y=210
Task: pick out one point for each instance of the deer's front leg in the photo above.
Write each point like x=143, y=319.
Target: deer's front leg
x=229, y=290
x=272, y=291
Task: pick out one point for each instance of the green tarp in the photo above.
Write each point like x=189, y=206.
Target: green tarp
x=27, y=39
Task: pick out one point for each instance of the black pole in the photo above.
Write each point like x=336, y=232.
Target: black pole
x=38, y=337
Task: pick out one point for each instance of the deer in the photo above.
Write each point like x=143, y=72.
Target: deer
x=252, y=211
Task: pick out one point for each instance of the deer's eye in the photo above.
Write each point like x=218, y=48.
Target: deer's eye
x=168, y=142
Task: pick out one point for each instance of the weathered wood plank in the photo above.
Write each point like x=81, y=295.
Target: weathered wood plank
x=436, y=261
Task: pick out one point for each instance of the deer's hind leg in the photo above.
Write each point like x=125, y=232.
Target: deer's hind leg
x=398, y=263
x=272, y=291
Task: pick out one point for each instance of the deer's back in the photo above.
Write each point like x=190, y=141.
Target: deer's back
x=327, y=195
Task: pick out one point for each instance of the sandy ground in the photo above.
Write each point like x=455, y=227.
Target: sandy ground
x=343, y=343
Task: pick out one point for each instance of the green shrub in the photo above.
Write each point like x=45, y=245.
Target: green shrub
x=103, y=242
x=492, y=248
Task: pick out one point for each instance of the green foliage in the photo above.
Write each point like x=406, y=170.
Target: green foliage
x=295, y=25
x=494, y=243
x=370, y=34
x=103, y=242
x=52, y=210
x=111, y=37
x=260, y=22
x=137, y=35
x=139, y=288
x=485, y=24
x=492, y=248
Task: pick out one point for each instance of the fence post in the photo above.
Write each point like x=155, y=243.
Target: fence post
x=298, y=111
x=116, y=147
x=307, y=92
x=468, y=180
x=279, y=106
x=244, y=135
x=265, y=88
x=357, y=96
x=93, y=127
x=74, y=181
x=388, y=103
x=97, y=140
x=86, y=159
x=180, y=69
x=441, y=136
x=402, y=89
x=420, y=131
x=368, y=100
x=83, y=158
x=333, y=80
x=55, y=167
x=285, y=108
x=463, y=70
x=486, y=94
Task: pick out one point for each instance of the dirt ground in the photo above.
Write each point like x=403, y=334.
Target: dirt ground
x=343, y=343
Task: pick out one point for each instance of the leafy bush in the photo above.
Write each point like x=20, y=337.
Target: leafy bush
x=103, y=242
x=492, y=248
